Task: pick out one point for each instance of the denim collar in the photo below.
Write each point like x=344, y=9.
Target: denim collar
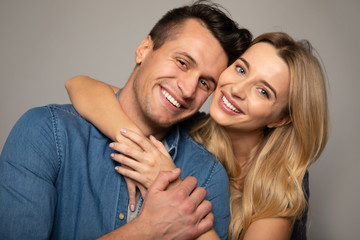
x=171, y=141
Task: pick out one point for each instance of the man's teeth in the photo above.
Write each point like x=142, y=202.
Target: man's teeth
x=229, y=105
x=171, y=99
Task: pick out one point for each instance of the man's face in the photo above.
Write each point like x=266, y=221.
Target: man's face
x=172, y=82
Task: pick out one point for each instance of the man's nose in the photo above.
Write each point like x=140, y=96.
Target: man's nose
x=188, y=86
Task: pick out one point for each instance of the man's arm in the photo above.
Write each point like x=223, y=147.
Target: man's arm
x=28, y=170
x=179, y=213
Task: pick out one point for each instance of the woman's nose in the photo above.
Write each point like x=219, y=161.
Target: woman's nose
x=239, y=89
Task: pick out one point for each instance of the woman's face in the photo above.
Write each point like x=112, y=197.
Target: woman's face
x=253, y=92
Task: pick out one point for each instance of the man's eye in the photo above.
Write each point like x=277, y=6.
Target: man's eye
x=204, y=83
x=240, y=70
x=182, y=63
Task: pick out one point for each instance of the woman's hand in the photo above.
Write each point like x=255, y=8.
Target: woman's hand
x=131, y=186
x=141, y=159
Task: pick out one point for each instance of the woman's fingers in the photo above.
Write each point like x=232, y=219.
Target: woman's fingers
x=126, y=172
x=131, y=186
x=136, y=176
x=128, y=142
x=145, y=161
x=127, y=161
x=159, y=146
x=143, y=190
x=124, y=149
x=140, y=140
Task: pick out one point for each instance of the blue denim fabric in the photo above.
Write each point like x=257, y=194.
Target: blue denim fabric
x=57, y=180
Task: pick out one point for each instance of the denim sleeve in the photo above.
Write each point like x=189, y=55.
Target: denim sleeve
x=218, y=193
x=28, y=168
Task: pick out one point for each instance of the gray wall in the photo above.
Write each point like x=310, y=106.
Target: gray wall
x=43, y=43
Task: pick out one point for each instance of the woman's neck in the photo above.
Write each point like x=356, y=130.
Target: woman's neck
x=243, y=143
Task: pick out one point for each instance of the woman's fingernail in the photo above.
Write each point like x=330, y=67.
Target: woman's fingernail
x=123, y=130
x=116, y=168
x=132, y=207
x=111, y=145
x=112, y=155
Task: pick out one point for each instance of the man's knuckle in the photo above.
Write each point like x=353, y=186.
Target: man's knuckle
x=181, y=194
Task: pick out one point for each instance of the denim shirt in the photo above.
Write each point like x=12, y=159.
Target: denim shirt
x=57, y=180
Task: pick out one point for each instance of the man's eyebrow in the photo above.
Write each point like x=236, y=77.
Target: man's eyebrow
x=185, y=54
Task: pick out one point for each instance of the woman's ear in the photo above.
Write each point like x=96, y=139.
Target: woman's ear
x=280, y=122
x=143, y=49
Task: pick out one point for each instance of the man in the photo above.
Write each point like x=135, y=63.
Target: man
x=62, y=185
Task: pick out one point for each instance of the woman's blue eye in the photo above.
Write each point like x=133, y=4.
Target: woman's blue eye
x=264, y=92
x=240, y=70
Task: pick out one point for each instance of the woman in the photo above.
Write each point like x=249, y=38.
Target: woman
x=268, y=122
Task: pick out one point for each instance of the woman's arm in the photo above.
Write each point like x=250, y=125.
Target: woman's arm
x=96, y=102
x=270, y=229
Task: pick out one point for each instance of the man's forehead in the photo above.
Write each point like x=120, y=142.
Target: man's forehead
x=195, y=42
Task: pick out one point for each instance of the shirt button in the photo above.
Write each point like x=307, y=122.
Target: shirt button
x=121, y=216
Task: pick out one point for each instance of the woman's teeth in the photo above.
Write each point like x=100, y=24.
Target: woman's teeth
x=171, y=99
x=229, y=105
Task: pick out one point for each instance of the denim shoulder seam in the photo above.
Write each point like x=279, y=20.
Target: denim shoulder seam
x=56, y=136
x=57, y=107
x=211, y=173
x=214, y=160
x=192, y=141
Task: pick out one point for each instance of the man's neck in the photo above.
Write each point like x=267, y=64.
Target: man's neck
x=135, y=121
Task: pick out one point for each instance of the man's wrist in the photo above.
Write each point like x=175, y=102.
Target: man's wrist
x=133, y=230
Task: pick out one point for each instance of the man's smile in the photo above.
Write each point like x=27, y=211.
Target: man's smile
x=170, y=98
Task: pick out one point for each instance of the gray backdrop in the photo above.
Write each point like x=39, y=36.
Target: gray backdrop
x=43, y=43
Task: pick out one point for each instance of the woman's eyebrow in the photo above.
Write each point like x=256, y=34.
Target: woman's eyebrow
x=245, y=62
x=269, y=86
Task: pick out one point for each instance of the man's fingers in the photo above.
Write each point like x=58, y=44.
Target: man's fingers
x=203, y=209
x=188, y=184
x=164, y=179
x=197, y=196
x=206, y=224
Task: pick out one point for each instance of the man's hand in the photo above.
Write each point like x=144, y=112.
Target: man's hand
x=179, y=213
x=176, y=214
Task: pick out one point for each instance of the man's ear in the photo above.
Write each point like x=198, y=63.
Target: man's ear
x=143, y=49
x=280, y=122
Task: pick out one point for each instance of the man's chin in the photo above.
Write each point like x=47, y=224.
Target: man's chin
x=166, y=122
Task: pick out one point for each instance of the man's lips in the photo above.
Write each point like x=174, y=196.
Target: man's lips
x=171, y=99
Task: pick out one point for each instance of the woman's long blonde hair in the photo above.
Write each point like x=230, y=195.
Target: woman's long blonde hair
x=276, y=167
